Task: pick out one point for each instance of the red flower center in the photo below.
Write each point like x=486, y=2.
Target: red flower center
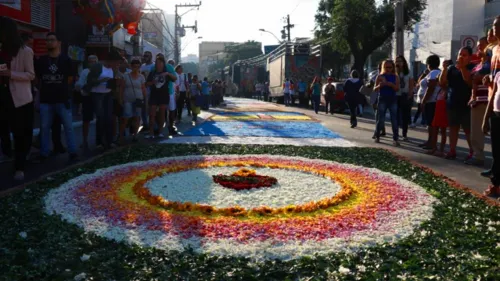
x=244, y=179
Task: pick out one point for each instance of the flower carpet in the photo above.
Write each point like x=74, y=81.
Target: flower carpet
x=171, y=212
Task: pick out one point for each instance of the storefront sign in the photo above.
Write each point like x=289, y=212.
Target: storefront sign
x=97, y=36
x=39, y=43
x=149, y=35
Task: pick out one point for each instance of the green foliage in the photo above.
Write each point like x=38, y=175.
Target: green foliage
x=214, y=70
x=359, y=27
x=242, y=51
x=459, y=243
x=190, y=67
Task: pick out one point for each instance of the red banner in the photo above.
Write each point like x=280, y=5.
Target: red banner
x=39, y=43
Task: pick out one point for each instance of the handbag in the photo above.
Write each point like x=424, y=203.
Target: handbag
x=139, y=103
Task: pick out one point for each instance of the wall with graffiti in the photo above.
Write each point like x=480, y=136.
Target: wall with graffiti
x=301, y=68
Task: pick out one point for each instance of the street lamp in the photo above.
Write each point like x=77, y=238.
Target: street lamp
x=198, y=38
x=263, y=30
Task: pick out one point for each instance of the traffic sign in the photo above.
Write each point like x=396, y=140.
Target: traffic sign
x=469, y=41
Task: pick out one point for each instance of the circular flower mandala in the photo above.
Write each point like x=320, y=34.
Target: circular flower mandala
x=316, y=207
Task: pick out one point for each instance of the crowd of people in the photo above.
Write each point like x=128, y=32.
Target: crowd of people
x=123, y=96
x=450, y=96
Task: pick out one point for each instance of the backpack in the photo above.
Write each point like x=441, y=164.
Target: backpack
x=93, y=77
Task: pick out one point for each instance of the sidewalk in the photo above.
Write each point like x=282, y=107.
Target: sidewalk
x=362, y=135
x=61, y=161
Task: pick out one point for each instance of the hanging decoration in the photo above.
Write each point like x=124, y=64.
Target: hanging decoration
x=132, y=28
x=111, y=13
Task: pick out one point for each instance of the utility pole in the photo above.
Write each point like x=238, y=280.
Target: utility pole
x=288, y=26
x=180, y=31
x=399, y=22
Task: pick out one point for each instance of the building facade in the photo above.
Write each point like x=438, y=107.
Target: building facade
x=210, y=52
x=158, y=29
x=190, y=58
x=446, y=26
x=153, y=28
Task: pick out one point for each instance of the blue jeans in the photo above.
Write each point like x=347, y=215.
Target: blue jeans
x=47, y=112
x=206, y=102
x=144, y=112
x=383, y=106
x=288, y=99
x=316, y=99
x=103, y=108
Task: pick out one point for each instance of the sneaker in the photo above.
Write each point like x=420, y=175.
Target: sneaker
x=60, y=150
x=396, y=143
x=469, y=157
x=160, y=136
x=5, y=158
x=451, y=156
x=425, y=144
x=474, y=162
x=85, y=146
x=193, y=123
x=39, y=159
x=492, y=191
x=487, y=173
x=19, y=176
x=73, y=157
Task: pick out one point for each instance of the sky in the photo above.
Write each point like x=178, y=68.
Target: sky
x=240, y=20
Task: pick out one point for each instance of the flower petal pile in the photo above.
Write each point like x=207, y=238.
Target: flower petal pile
x=372, y=207
x=244, y=179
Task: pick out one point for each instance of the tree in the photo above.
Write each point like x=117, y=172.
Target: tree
x=242, y=51
x=334, y=60
x=190, y=67
x=359, y=27
x=214, y=70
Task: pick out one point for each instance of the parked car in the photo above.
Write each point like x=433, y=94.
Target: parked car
x=339, y=101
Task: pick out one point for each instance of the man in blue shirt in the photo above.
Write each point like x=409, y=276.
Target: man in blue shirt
x=302, y=87
x=205, y=91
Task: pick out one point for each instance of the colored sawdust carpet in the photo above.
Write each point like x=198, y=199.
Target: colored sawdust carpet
x=338, y=142
x=271, y=115
x=263, y=129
